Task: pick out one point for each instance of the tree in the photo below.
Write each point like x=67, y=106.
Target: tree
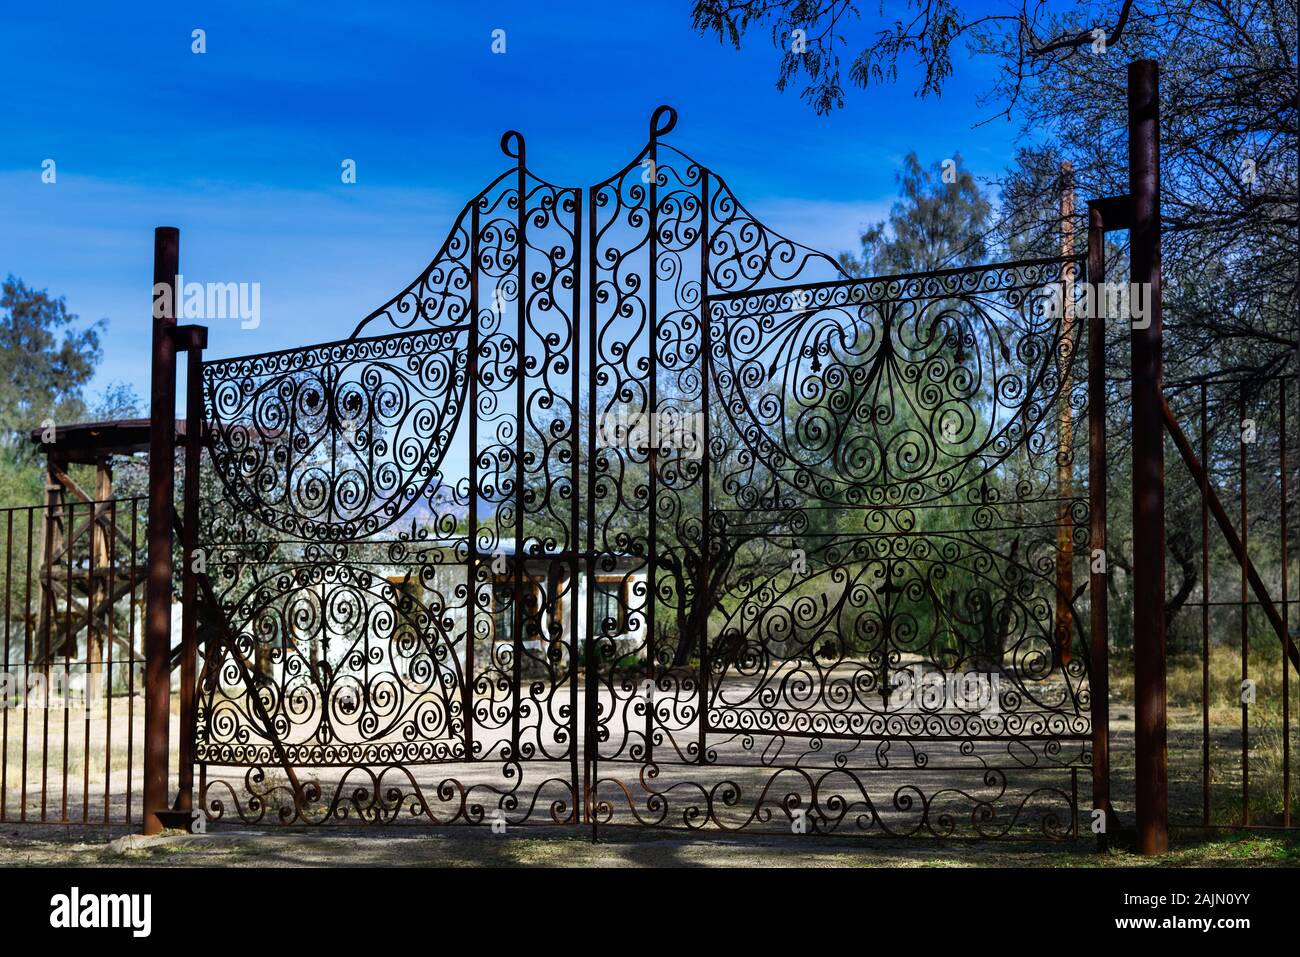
x=938, y=222
x=1229, y=120
x=46, y=359
x=1231, y=220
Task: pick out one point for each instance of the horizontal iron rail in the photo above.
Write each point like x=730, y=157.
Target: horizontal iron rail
x=865, y=280
x=262, y=356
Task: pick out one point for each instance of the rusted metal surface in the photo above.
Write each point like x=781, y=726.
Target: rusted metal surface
x=1231, y=760
x=1151, y=733
x=1099, y=638
x=158, y=588
x=193, y=340
x=1235, y=543
x=70, y=741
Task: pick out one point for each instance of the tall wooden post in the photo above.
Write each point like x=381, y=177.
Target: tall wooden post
x=100, y=604
x=52, y=544
x=158, y=588
x=1148, y=463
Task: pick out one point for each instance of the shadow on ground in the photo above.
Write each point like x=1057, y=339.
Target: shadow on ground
x=573, y=847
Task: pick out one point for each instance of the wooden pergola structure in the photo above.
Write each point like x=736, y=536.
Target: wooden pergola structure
x=80, y=584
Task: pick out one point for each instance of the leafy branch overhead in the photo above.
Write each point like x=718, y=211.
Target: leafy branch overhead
x=813, y=36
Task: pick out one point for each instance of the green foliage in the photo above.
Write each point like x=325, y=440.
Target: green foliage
x=46, y=358
x=938, y=222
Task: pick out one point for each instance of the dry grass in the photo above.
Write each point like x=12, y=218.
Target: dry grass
x=1264, y=726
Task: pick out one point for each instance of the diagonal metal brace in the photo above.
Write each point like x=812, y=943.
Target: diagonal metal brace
x=1230, y=534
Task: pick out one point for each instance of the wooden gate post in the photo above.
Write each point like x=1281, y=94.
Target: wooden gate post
x=158, y=589
x=1148, y=463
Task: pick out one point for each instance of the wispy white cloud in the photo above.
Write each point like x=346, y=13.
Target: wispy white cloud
x=831, y=226
x=323, y=258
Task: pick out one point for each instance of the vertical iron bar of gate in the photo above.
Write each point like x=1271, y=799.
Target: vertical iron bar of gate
x=472, y=560
x=1099, y=662
x=521, y=306
x=197, y=342
x=706, y=544
x=1063, y=652
x=574, y=439
x=1151, y=737
x=162, y=457
x=589, y=751
x=652, y=454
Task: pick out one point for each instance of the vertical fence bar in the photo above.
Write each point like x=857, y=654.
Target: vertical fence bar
x=92, y=517
x=48, y=608
x=4, y=705
x=99, y=602
x=1286, y=612
x=162, y=458
x=69, y=640
x=28, y=645
x=467, y=692
x=1151, y=737
x=1205, y=608
x=130, y=666
x=1099, y=597
x=108, y=657
x=1245, y=619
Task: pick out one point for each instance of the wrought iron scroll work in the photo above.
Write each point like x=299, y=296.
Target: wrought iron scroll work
x=401, y=521
x=877, y=498
x=391, y=538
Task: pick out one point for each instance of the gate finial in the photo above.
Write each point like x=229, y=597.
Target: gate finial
x=656, y=130
x=512, y=144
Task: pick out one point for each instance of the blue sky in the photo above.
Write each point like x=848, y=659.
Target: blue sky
x=241, y=147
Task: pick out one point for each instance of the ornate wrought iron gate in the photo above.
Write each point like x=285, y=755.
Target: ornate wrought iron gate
x=631, y=510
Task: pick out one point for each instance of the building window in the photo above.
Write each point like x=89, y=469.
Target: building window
x=610, y=604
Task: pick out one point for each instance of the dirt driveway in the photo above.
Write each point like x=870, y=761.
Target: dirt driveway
x=570, y=847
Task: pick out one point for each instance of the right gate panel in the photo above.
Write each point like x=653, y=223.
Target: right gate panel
x=838, y=530
x=896, y=497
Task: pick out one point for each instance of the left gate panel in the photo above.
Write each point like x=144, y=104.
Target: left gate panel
x=381, y=613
